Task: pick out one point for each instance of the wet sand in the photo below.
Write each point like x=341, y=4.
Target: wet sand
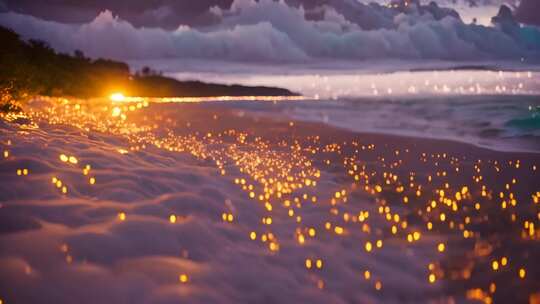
x=205, y=203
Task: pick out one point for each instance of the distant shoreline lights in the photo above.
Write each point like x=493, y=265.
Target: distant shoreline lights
x=119, y=97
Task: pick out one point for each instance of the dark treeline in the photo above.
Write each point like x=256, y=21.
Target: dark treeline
x=33, y=68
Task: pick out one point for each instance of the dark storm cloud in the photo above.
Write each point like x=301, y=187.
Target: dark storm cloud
x=368, y=16
x=528, y=12
x=167, y=14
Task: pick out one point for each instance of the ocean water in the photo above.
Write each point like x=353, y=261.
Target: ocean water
x=504, y=123
x=493, y=105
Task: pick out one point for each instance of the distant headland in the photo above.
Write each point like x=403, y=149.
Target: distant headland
x=34, y=68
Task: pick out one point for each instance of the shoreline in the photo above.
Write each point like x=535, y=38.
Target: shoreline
x=318, y=125
x=446, y=141
x=231, y=100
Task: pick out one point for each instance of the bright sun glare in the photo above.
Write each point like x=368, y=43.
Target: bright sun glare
x=117, y=97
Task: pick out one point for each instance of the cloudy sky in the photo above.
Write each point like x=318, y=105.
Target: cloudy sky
x=279, y=31
x=170, y=14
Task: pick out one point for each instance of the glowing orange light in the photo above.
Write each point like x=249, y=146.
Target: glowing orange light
x=441, y=247
x=122, y=216
x=117, y=97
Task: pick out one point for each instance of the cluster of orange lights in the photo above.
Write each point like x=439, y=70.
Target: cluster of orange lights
x=418, y=198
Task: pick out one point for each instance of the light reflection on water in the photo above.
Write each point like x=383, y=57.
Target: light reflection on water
x=334, y=84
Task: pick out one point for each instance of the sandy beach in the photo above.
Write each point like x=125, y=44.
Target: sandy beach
x=207, y=203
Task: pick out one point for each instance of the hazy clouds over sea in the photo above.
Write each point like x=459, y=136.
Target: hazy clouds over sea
x=269, y=31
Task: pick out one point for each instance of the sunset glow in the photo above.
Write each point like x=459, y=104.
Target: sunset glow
x=117, y=97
